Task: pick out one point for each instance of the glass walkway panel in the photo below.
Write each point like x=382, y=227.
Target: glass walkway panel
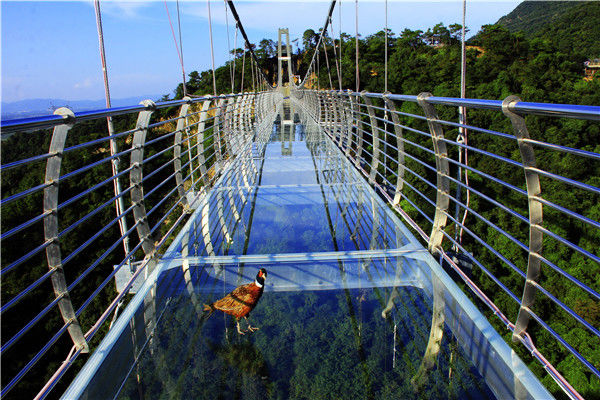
x=354, y=306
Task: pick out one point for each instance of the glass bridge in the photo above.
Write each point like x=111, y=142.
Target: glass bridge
x=354, y=306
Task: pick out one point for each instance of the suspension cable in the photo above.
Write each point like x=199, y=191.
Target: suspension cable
x=318, y=72
x=234, y=57
x=243, y=67
x=462, y=132
x=356, y=42
x=340, y=41
x=327, y=62
x=212, y=52
x=176, y=48
x=119, y=202
x=181, y=49
x=323, y=31
x=228, y=46
x=252, y=71
x=385, y=79
x=337, y=65
x=243, y=32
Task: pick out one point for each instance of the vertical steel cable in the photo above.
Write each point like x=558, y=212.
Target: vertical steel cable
x=252, y=70
x=327, y=62
x=176, y=47
x=212, y=52
x=243, y=67
x=337, y=65
x=181, y=49
x=385, y=79
x=356, y=42
x=318, y=72
x=234, y=58
x=119, y=203
x=340, y=32
x=316, y=52
x=228, y=45
x=463, y=116
x=240, y=26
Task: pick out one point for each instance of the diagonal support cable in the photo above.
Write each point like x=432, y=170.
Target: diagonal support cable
x=312, y=61
x=248, y=44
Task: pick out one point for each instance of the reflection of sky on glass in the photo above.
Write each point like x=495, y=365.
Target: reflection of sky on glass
x=310, y=199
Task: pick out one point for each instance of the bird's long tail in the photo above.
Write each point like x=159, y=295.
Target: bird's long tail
x=208, y=310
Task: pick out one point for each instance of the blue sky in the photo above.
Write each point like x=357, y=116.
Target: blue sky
x=50, y=49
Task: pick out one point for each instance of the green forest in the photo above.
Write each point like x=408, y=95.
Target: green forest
x=311, y=345
x=541, y=64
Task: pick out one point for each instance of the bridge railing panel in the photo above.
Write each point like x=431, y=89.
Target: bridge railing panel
x=508, y=201
x=62, y=242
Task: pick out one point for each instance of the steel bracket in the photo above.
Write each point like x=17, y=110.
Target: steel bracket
x=136, y=176
x=536, y=235
x=398, y=131
x=53, y=253
x=181, y=125
x=375, y=137
x=442, y=201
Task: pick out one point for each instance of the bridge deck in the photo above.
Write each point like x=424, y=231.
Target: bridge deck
x=292, y=203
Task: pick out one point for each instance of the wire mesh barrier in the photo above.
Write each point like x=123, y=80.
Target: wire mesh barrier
x=511, y=216
x=526, y=250
x=62, y=244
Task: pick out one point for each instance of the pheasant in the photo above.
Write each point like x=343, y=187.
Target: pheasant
x=241, y=301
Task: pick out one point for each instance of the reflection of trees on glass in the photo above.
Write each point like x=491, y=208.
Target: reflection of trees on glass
x=306, y=349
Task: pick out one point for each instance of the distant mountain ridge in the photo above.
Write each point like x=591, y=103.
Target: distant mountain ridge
x=572, y=25
x=37, y=107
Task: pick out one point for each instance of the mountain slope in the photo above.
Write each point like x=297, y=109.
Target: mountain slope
x=572, y=25
x=532, y=16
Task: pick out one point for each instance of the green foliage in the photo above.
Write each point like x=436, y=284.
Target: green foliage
x=311, y=345
x=571, y=25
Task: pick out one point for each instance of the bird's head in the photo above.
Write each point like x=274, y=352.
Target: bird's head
x=261, y=277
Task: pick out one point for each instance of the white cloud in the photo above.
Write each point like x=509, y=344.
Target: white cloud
x=130, y=9
x=85, y=84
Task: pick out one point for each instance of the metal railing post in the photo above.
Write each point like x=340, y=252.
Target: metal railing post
x=359, y=135
x=228, y=124
x=351, y=122
x=442, y=201
x=335, y=116
x=200, y=139
x=181, y=122
x=53, y=253
x=136, y=177
x=536, y=235
x=375, y=136
x=217, y=128
x=324, y=118
x=398, y=131
x=342, y=123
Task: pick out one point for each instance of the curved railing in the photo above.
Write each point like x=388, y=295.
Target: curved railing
x=62, y=244
x=513, y=216
x=526, y=249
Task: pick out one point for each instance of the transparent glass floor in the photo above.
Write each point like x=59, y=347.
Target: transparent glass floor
x=348, y=304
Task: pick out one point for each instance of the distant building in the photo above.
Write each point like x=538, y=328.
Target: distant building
x=591, y=67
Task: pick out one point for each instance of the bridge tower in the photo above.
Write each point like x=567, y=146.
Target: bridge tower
x=281, y=58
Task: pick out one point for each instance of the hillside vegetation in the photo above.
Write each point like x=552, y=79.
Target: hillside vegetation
x=570, y=24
